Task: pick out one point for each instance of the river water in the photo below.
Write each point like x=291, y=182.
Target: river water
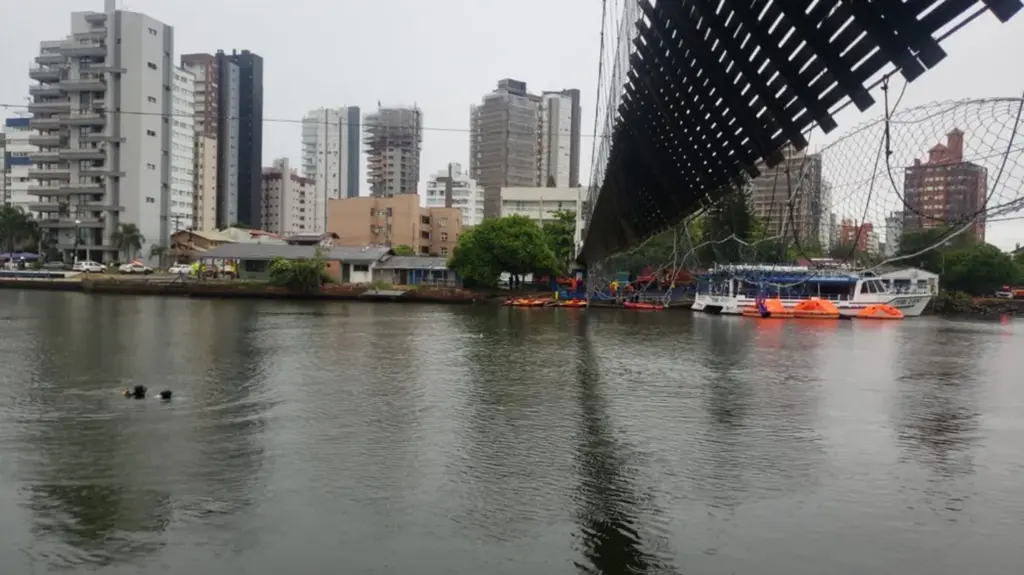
x=372, y=438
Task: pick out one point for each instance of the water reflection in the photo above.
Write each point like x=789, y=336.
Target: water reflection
x=610, y=530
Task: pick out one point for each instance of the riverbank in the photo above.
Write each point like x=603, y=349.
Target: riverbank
x=960, y=304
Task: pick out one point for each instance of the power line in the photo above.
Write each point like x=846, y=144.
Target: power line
x=339, y=123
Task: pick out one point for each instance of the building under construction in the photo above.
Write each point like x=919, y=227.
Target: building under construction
x=393, y=140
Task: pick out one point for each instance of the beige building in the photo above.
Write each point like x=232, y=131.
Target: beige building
x=287, y=200
x=204, y=203
x=394, y=221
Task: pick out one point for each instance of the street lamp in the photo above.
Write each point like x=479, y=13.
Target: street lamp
x=77, y=236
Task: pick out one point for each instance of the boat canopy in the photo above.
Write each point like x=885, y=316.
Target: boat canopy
x=788, y=278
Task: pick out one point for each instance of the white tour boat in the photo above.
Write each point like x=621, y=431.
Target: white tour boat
x=729, y=289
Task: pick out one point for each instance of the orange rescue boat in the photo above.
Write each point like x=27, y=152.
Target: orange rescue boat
x=879, y=311
x=816, y=308
x=776, y=310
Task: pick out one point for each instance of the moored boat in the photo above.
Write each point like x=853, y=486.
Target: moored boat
x=643, y=306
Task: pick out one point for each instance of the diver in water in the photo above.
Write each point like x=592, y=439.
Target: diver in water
x=139, y=392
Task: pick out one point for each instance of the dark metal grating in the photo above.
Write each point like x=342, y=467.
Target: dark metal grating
x=717, y=86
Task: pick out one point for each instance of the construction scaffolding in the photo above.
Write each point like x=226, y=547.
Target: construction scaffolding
x=393, y=138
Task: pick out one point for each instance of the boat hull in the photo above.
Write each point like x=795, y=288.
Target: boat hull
x=912, y=305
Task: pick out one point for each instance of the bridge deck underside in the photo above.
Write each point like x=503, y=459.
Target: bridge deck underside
x=717, y=87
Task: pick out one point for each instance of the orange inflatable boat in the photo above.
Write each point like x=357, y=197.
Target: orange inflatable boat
x=776, y=310
x=879, y=311
x=815, y=308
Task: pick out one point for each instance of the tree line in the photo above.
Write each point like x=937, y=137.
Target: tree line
x=20, y=232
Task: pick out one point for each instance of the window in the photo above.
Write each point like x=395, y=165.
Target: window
x=425, y=235
x=360, y=268
x=151, y=65
x=152, y=31
x=150, y=200
x=150, y=133
x=150, y=166
x=444, y=236
x=425, y=220
x=444, y=251
x=151, y=99
x=254, y=266
x=444, y=222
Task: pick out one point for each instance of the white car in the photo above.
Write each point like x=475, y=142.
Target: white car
x=180, y=269
x=87, y=267
x=135, y=268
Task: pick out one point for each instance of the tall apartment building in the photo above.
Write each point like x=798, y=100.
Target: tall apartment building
x=466, y=195
x=893, y=233
x=232, y=111
x=287, y=199
x=394, y=137
x=863, y=236
x=183, y=150
x=518, y=139
x=204, y=197
x=945, y=190
x=394, y=221
x=791, y=197
x=330, y=156
x=96, y=168
x=15, y=163
x=558, y=162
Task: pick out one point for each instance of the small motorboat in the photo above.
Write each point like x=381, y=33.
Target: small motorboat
x=571, y=303
x=526, y=302
x=644, y=306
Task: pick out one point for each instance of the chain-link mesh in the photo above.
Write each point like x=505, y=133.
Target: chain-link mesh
x=957, y=166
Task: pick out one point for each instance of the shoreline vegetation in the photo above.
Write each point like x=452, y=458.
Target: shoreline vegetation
x=945, y=304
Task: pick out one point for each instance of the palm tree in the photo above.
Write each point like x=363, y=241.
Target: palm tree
x=158, y=252
x=128, y=240
x=15, y=227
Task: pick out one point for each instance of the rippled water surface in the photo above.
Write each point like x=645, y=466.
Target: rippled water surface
x=335, y=438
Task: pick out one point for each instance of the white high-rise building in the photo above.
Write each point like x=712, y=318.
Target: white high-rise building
x=183, y=146
x=15, y=163
x=467, y=195
x=559, y=138
x=330, y=156
x=97, y=169
x=286, y=200
x=893, y=233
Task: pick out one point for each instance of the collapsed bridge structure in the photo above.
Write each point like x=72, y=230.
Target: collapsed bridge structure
x=716, y=88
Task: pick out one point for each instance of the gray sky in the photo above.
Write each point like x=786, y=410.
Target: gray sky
x=443, y=55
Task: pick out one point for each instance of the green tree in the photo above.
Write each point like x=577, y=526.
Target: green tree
x=305, y=275
x=932, y=241
x=404, y=250
x=513, y=244
x=17, y=229
x=730, y=215
x=978, y=269
x=128, y=240
x=560, y=235
x=158, y=252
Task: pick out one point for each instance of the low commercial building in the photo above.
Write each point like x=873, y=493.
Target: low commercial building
x=542, y=204
x=344, y=264
x=394, y=221
x=415, y=270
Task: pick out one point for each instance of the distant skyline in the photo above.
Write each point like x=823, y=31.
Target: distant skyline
x=308, y=65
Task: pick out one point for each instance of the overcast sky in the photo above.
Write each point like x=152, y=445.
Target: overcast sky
x=443, y=55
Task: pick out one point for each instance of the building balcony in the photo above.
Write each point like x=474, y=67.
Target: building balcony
x=84, y=84
x=96, y=17
x=94, y=137
x=44, y=124
x=63, y=246
x=101, y=68
x=44, y=189
x=43, y=140
x=44, y=91
x=83, y=119
x=75, y=154
x=95, y=35
x=45, y=74
x=60, y=173
x=44, y=156
x=69, y=223
x=55, y=107
x=50, y=58
x=78, y=188
x=101, y=171
x=45, y=207
x=88, y=49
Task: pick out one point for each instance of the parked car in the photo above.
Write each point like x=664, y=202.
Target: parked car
x=87, y=266
x=135, y=268
x=180, y=269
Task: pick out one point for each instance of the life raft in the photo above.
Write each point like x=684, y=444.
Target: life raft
x=815, y=308
x=879, y=311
